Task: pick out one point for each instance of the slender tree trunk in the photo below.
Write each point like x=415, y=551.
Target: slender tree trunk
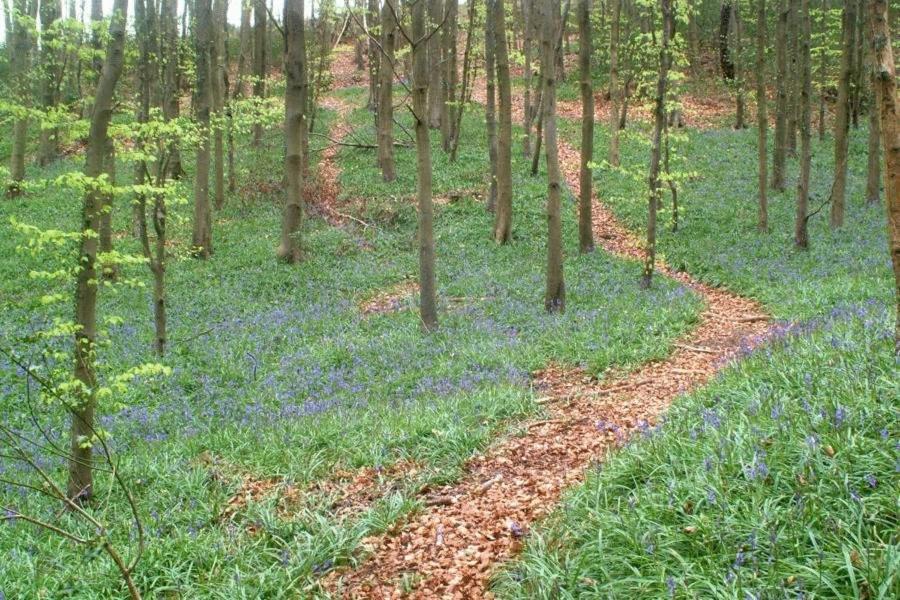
x=779, y=153
x=801, y=235
x=427, y=292
x=858, y=85
x=466, y=81
x=794, y=77
x=659, y=122
x=726, y=58
x=19, y=67
x=385, y=114
x=842, y=115
x=80, y=483
x=614, y=92
x=555, y=295
x=585, y=225
x=527, y=72
x=885, y=80
x=435, y=14
x=503, y=215
x=170, y=87
x=762, y=119
x=245, y=58
x=451, y=76
x=294, y=125
x=490, y=111
x=374, y=53
x=739, y=119
x=873, y=171
x=217, y=88
x=823, y=73
x=693, y=37
x=50, y=13
x=202, y=231
x=259, y=58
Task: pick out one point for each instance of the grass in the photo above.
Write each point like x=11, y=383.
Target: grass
x=778, y=480
x=276, y=373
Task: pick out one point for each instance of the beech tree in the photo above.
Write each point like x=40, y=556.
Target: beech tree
x=801, y=234
x=217, y=91
x=22, y=43
x=842, y=114
x=80, y=483
x=762, y=118
x=50, y=13
x=779, y=152
x=202, y=226
x=260, y=41
x=385, y=115
x=490, y=106
x=503, y=212
x=659, y=123
x=614, y=92
x=555, y=296
x=585, y=225
x=885, y=83
x=294, y=125
x=450, y=74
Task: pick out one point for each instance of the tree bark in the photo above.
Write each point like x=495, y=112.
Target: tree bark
x=448, y=106
x=259, y=59
x=794, y=77
x=842, y=115
x=170, y=87
x=490, y=109
x=50, y=13
x=80, y=482
x=202, y=226
x=659, y=122
x=19, y=67
x=614, y=92
x=762, y=119
x=374, y=53
x=385, y=114
x=555, y=295
x=739, y=120
x=801, y=235
x=435, y=14
x=779, y=152
x=468, y=76
x=885, y=80
x=217, y=88
x=585, y=224
x=427, y=292
x=294, y=126
x=527, y=73
x=503, y=214
x=245, y=58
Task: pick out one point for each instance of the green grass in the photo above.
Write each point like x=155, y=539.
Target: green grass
x=276, y=373
x=778, y=480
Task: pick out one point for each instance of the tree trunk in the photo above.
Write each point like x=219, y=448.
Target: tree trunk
x=527, y=73
x=503, y=215
x=19, y=68
x=659, y=122
x=217, y=88
x=245, y=58
x=80, y=482
x=726, y=60
x=779, y=152
x=202, y=230
x=50, y=13
x=374, y=53
x=693, y=37
x=555, y=295
x=885, y=82
x=448, y=106
x=794, y=77
x=842, y=115
x=259, y=59
x=427, y=292
x=801, y=235
x=435, y=14
x=385, y=114
x=294, y=126
x=614, y=93
x=468, y=77
x=585, y=225
x=739, y=120
x=762, y=119
x=170, y=87
x=490, y=110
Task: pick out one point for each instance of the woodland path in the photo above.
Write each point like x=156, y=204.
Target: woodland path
x=451, y=548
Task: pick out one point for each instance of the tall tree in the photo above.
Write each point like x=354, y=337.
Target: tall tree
x=490, y=107
x=171, y=106
x=801, y=234
x=873, y=170
x=217, y=88
x=614, y=93
x=19, y=71
x=80, y=483
x=202, y=230
x=294, y=126
x=738, y=25
x=245, y=55
x=585, y=226
x=385, y=115
x=260, y=40
x=435, y=75
x=886, y=94
x=659, y=123
x=842, y=114
x=50, y=14
x=762, y=119
x=427, y=285
x=450, y=74
x=371, y=25
x=527, y=10
x=504, y=208
x=555, y=295
x=779, y=152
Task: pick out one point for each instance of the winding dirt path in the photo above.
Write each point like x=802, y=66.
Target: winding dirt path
x=451, y=548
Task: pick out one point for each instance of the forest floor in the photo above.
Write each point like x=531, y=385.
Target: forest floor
x=726, y=432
